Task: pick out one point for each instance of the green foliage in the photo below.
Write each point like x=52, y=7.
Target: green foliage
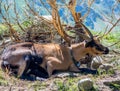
x=27, y=23
x=103, y=72
x=61, y=86
x=3, y=82
x=110, y=39
x=69, y=84
x=3, y=28
x=113, y=37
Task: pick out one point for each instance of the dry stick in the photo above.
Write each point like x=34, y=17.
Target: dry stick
x=26, y=14
x=57, y=22
x=113, y=26
x=17, y=17
x=36, y=14
x=45, y=7
x=114, y=6
x=12, y=31
x=71, y=7
x=46, y=21
x=110, y=18
x=104, y=32
x=114, y=44
x=52, y=35
x=88, y=11
x=111, y=22
x=42, y=18
x=78, y=21
x=32, y=11
x=116, y=52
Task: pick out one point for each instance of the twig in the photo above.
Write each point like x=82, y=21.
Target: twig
x=90, y=2
x=116, y=52
x=113, y=26
x=114, y=44
x=17, y=17
x=56, y=21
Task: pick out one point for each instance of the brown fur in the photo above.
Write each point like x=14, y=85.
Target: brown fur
x=55, y=56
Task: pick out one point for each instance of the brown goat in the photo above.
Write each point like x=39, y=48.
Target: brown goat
x=54, y=56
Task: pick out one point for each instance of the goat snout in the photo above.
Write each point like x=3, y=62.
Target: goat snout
x=11, y=69
x=106, y=51
x=5, y=63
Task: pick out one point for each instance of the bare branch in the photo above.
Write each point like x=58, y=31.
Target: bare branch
x=57, y=22
x=116, y=52
x=32, y=11
x=71, y=7
x=17, y=17
x=78, y=21
x=90, y=2
x=45, y=7
x=113, y=26
x=114, y=44
x=36, y=14
x=13, y=33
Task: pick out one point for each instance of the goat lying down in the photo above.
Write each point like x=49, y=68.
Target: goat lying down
x=50, y=56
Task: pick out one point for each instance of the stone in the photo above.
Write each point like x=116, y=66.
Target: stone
x=116, y=62
x=85, y=84
x=106, y=67
x=96, y=62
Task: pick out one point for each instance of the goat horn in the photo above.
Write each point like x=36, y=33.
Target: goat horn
x=87, y=30
x=85, y=37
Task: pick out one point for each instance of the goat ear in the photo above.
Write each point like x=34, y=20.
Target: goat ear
x=89, y=44
x=86, y=44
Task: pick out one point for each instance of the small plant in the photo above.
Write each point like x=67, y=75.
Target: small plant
x=38, y=85
x=61, y=86
x=27, y=23
x=3, y=82
x=115, y=87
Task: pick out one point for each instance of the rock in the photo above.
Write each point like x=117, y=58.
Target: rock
x=65, y=74
x=41, y=79
x=116, y=62
x=106, y=67
x=96, y=62
x=85, y=84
